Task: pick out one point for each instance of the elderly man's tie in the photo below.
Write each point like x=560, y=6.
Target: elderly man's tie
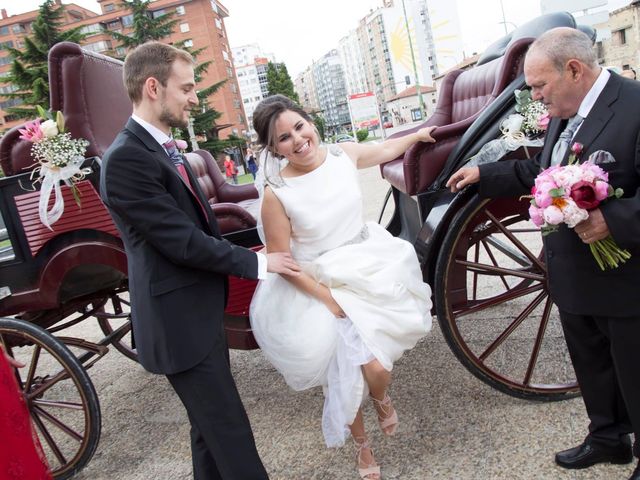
x=561, y=146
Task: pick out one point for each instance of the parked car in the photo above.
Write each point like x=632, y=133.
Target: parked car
x=344, y=138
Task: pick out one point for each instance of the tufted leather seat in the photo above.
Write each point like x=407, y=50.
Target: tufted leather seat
x=87, y=87
x=222, y=196
x=464, y=95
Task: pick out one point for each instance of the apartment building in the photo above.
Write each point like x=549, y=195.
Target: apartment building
x=200, y=25
x=251, y=70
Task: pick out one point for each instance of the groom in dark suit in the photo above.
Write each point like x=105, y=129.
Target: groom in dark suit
x=178, y=262
x=599, y=311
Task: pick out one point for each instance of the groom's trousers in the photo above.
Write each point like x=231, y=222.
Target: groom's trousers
x=222, y=443
x=605, y=352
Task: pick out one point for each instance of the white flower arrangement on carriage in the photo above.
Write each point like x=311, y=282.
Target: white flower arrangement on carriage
x=59, y=159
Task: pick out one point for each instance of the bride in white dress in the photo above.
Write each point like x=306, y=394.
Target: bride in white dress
x=360, y=301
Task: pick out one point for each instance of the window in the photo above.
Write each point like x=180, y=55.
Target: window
x=121, y=52
x=91, y=29
x=4, y=45
x=214, y=6
x=218, y=23
x=188, y=43
x=619, y=37
x=127, y=20
x=5, y=60
x=18, y=28
x=4, y=30
x=225, y=55
x=110, y=7
x=113, y=25
x=180, y=10
x=8, y=89
x=158, y=13
x=101, y=46
x=184, y=27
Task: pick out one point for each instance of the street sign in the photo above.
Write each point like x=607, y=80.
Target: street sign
x=364, y=110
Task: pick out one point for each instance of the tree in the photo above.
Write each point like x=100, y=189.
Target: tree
x=319, y=122
x=145, y=26
x=29, y=72
x=279, y=81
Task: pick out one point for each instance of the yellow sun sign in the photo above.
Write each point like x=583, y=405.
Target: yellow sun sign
x=399, y=45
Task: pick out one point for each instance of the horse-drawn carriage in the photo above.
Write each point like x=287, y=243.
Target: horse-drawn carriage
x=482, y=257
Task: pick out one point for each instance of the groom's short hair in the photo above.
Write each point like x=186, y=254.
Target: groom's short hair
x=562, y=44
x=151, y=59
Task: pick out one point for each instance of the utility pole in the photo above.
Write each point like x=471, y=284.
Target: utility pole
x=413, y=59
x=504, y=19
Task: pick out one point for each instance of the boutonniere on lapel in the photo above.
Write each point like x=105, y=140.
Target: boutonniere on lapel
x=576, y=150
x=566, y=194
x=181, y=145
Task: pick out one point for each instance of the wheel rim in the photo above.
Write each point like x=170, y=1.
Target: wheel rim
x=498, y=311
x=60, y=398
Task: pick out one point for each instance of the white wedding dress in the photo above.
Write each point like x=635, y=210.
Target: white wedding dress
x=373, y=276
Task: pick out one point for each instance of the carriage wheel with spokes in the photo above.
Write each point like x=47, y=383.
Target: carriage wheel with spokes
x=116, y=315
x=493, y=305
x=59, y=394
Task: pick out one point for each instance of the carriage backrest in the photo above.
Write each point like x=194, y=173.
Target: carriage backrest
x=87, y=87
x=463, y=96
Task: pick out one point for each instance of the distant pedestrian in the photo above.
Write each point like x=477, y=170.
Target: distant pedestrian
x=252, y=165
x=230, y=169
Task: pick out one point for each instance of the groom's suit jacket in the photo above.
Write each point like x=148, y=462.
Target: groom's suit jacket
x=177, y=261
x=576, y=282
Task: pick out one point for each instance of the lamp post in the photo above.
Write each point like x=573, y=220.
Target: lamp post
x=192, y=135
x=413, y=59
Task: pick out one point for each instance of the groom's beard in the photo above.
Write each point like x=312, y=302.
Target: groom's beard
x=174, y=121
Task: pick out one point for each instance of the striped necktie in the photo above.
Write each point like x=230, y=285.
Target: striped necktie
x=178, y=161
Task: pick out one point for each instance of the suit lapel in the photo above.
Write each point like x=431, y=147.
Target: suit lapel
x=599, y=115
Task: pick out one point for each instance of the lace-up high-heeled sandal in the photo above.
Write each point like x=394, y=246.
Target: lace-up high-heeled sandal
x=370, y=471
x=387, y=415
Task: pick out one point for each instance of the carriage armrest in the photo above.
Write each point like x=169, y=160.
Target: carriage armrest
x=236, y=193
x=15, y=153
x=232, y=217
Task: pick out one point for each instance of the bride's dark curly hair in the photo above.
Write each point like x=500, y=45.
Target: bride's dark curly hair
x=266, y=114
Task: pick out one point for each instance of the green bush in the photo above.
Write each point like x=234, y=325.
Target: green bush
x=362, y=134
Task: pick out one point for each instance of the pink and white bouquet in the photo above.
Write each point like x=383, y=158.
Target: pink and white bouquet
x=59, y=159
x=565, y=194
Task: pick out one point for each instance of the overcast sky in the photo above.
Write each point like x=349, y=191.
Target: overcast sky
x=300, y=31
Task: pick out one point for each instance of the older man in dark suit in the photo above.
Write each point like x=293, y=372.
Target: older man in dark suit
x=178, y=262
x=600, y=311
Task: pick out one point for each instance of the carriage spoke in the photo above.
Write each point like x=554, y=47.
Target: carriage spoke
x=544, y=321
x=41, y=388
x=49, y=439
x=463, y=310
x=476, y=258
x=515, y=241
x=35, y=358
x=58, y=423
x=511, y=253
x=60, y=404
x=511, y=328
x=493, y=261
x=490, y=269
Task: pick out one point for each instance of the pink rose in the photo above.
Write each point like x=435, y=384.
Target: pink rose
x=32, y=131
x=583, y=193
x=542, y=196
x=543, y=121
x=535, y=214
x=602, y=190
x=576, y=148
x=181, y=144
x=553, y=215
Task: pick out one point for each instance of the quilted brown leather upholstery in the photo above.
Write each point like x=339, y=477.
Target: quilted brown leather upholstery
x=463, y=96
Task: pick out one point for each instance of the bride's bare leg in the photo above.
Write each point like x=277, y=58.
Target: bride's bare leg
x=364, y=456
x=379, y=379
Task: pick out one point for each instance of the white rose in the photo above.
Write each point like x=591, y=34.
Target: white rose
x=49, y=128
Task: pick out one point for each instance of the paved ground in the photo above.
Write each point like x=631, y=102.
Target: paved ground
x=452, y=425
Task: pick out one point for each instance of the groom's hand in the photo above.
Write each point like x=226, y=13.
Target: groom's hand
x=282, y=262
x=593, y=228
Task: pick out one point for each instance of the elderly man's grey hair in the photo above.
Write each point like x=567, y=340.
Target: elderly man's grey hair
x=563, y=44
